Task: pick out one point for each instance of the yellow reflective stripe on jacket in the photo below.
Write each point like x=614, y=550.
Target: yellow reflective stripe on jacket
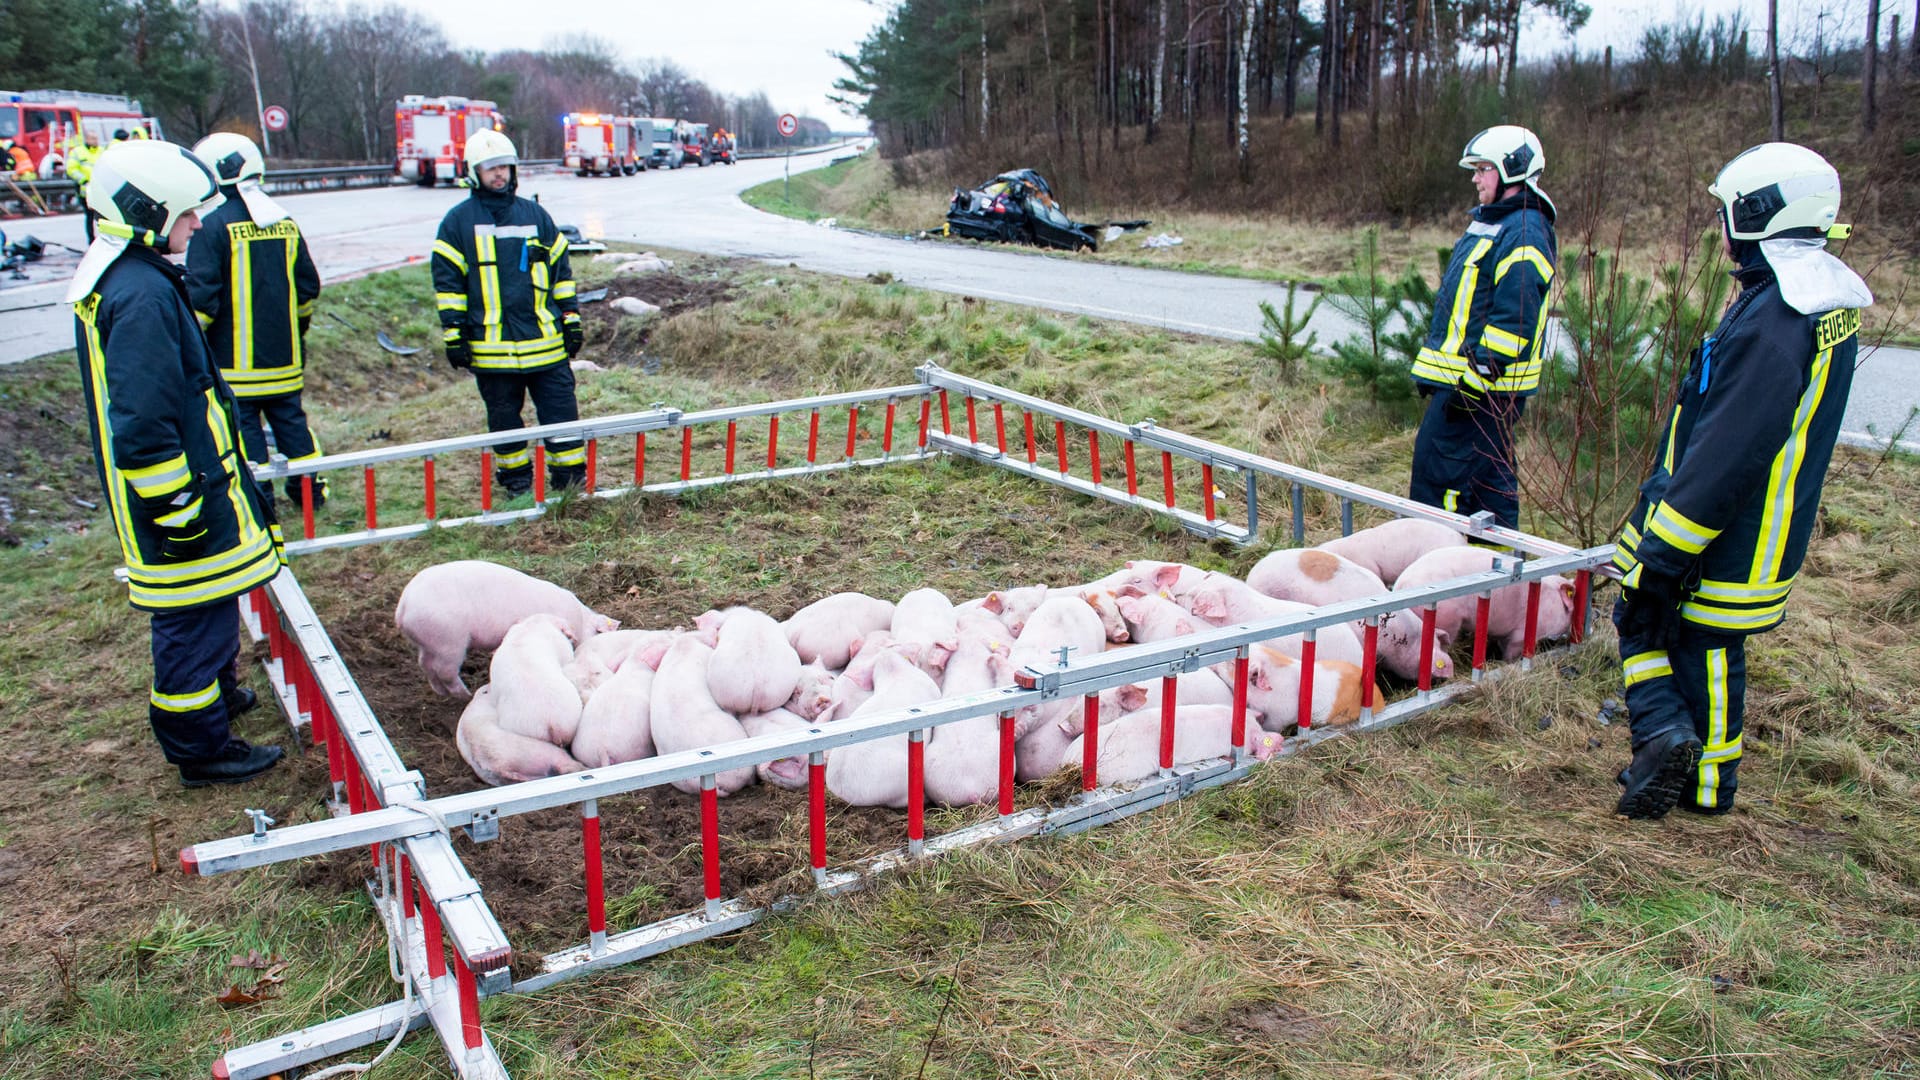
x=1679, y=530
x=486, y=254
x=1473, y=380
x=184, y=703
x=1437, y=366
x=240, y=255
x=451, y=254
x=1502, y=342
x=205, y=320
x=177, y=518
x=156, y=481
x=1744, y=593
x=1645, y=667
x=1463, y=298
x=1741, y=620
x=566, y=290
x=265, y=564
x=1673, y=433
x=264, y=382
x=1776, y=519
x=1718, y=748
x=450, y=301
x=1529, y=254
x=559, y=247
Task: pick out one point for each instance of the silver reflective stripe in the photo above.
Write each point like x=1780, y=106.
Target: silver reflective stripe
x=522, y=232
x=1482, y=228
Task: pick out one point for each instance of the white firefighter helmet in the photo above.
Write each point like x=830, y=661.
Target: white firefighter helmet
x=1777, y=189
x=232, y=156
x=1513, y=151
x=141, y=189
x=486, y=149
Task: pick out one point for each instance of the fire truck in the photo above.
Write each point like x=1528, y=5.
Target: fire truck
x=430, y=135
x=600, y=144
x=690, y=144
x=44, y=122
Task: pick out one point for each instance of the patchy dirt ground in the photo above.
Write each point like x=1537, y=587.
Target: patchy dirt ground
x=625, y=337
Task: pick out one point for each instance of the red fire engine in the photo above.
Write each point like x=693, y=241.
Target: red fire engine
x=430, y=135
x=44, y=122
x=603, y=144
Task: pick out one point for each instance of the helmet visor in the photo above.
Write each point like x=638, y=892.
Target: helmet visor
x=498, y=159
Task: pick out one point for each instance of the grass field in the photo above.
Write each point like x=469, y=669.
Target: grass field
x=1451, y=898
x=867, y=193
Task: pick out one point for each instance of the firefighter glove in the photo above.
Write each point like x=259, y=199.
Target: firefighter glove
x=459, y=355
x=1650, y=608
x=574, y=335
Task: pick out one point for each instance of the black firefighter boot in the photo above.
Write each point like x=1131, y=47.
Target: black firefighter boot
x=1662, y=770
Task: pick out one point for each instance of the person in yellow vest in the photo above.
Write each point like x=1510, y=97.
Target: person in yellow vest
x=82, y=149
x=254, y=286
x=195, y=531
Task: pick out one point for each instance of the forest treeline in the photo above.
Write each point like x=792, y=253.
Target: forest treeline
x=338, y=71
x=1340, y=107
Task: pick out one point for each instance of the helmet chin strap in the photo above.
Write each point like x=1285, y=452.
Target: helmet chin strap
x=129, y=233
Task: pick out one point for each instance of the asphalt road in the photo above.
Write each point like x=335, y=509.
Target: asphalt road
x=353, y=232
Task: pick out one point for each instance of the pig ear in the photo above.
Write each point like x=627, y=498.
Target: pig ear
x=1133, y=696
x=993, y=603
x=1566, y=592
x=854, y=646
x=1442, y=640
x=1166, y=576
x=1131, y=589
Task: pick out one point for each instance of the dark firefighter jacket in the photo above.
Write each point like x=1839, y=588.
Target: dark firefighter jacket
x=1490, y=311
x=166, y=442
x=254, y=288
x=1732, y=499
x=501, y=279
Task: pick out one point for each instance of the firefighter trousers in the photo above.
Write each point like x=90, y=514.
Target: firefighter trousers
x=1694, y=679
x=1463, y=458
x=551, y=388
x=291, y=436
x=193, y=677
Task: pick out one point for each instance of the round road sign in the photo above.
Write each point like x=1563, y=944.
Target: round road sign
x=274, y=117
x=788, y=125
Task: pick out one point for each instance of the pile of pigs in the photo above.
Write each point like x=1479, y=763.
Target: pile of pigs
x=568, y=690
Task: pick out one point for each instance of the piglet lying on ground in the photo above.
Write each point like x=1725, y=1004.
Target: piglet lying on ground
x=684, y=716
x=1129, y=747
x=532, y=693
x=456, y=606
x=826, y=629
x=1507, y=615
x=617, y=723
x=753, y=669
x=874, y=773
x=499, y=756
x=1387, y=550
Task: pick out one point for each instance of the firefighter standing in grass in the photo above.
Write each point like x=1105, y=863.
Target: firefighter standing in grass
x=505, y=292
x=254, y=286
x=1710, y=552
x=1482, y=356
x=195, y=530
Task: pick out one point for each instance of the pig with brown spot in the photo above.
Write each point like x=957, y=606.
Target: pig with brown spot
x=1387, y=550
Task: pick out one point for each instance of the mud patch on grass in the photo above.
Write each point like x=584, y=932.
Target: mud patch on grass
x=1262, y=1022
x=624, y=338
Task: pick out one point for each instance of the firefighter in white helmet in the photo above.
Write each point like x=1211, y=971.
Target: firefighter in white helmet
x=254, y=286
x=505, y=292
x=1482, y=356
x=1711, y=551
x=195, y=531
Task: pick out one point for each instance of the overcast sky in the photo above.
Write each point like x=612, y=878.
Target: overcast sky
x=786, y=47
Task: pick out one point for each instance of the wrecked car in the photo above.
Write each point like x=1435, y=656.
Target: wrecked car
x=1018, y=207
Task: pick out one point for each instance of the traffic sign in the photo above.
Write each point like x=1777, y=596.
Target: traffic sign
x=788, y=125
x=274, y=117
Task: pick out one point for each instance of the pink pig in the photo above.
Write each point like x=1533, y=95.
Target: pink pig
x=616, y=724
x=1142, y=576
x=1313, y=577
x=787, y=772
x=754, y=669
x=813, y=694
x=924, y=620
x=1507, y=615
x=1129, y=747
x=1273, y=689
x=1015, y=606
x=451, y=608
x=685, y=717
x=1153, y=618
x=874, y=773
x=826, y=629
x=1389, y=549
x=498, y=756
x=531, y=691
x=1222, y=600
x=613, y=649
